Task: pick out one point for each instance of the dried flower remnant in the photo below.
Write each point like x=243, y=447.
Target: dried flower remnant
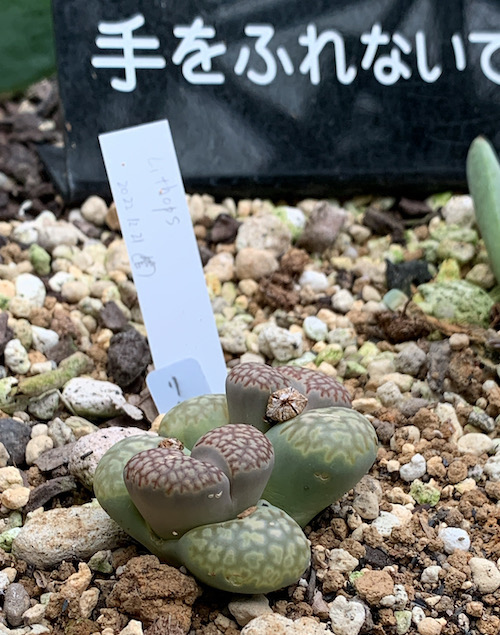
x=284, y=404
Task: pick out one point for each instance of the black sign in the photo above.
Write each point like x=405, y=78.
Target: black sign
x=282, y=97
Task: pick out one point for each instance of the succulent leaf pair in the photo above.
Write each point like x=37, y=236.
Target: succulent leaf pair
x=186, y=504
x=225, y=474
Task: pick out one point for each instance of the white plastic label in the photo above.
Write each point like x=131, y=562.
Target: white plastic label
x=147, y=188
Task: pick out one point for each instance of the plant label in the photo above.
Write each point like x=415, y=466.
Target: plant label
x=148, y=191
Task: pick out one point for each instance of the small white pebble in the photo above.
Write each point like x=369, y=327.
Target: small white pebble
x=417, y=614
x=459, y=341
x=38, y=446
x=430, y=575
x=385, y=523
x=316, y=280
x=342, y=301
x=454, y=538
x=39, y=429
x=416, y=468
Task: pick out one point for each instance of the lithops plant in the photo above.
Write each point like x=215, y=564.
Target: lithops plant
x=200, y=509
x=321, y=390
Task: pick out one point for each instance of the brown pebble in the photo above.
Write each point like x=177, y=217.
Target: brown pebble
x=372, y=586
x=148, y=589
x=457, y=472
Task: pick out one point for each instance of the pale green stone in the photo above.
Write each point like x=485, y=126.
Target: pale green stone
x=101, y=562
x=378, y=247
x=449, y=269
x=354, y=369
x=395, y=299
x=229, y=292
x=430, y=247
x=367, y=352
x=454, y=232
x=15, y=519
x=355, y=575
x=73, y=366
x=332, y=354
x=437, y=201
x=293, y=218
x=424, y=493
x=40, y=259
x=304, y=359
x=461, y=251
x=7, y=537
x=395, y=254
x=403, y=621
x=458, y=301
x=6, y=385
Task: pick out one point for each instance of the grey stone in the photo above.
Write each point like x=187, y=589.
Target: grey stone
x=366, y=504
x=246, y=608
x=128, y=357
x=16, y=602
x=14, y=435
x=88, y=450
x=481, y=420
x=66, y=533
x=278, y=343
x=45, y=406
x=322, y=227
x=410, y=360
x=112, y=317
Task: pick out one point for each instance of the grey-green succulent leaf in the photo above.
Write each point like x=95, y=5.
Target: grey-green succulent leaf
x=262, y=552
x=191, y=419
x=112, y=494
x=483, y=178
x=319, y=455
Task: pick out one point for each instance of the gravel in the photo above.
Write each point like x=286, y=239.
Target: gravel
x=414, y=548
